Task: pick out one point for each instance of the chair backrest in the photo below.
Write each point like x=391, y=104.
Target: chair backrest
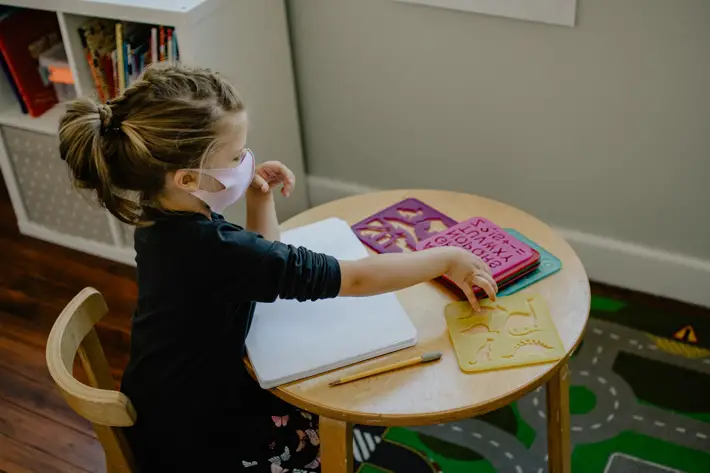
x=106, y=408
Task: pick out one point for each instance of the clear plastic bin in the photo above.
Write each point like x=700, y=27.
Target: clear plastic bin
x=55, y=69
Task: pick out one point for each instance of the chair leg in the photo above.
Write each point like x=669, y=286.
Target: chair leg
x=336, y=449
x=119, y=458
x=558, y=422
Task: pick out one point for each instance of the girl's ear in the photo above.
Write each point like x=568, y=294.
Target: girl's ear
x=186, y=180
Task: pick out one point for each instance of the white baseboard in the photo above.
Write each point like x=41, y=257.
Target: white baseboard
x=104, y=250
x=619, y=263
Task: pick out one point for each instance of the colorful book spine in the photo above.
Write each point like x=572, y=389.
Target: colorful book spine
x=171, y=57
x=176, y=53
x=84, y=33
x=139, y=55
x=124, y=49
x=95, y=41
x=136, y=64
x=11, y=81
x=108, y=75
x=129, y=64
x=114, y=65
x=120, y=58
x=162, y=44
x=153, y=45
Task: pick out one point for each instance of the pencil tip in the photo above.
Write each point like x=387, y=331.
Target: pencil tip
x=335, y=383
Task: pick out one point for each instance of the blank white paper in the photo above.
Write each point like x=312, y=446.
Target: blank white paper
x=291, y=340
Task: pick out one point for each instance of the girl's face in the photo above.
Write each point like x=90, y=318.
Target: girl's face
x=231, y=150
x=232, y=143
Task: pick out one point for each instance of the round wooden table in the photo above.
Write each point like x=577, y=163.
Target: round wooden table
x=441, y=392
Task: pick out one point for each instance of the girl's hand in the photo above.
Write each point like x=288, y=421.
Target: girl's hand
x=394, y=271
x=272, y=174
x=468, y=270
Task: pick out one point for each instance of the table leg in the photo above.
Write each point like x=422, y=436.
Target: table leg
x=558, y=432
x=336, y=450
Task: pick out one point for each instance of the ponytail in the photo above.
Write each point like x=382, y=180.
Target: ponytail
x=165, y=121
x=83, y=133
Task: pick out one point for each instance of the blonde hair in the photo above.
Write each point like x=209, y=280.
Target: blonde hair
x=166, y=121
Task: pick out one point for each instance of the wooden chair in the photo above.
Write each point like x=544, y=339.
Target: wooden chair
x=106, y=408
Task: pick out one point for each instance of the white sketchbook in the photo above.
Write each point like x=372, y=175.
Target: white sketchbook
x=291, y=340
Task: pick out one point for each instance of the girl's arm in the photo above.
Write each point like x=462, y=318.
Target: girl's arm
x=392, y=272
x=261, y=211
x=261, y=214
x=269, y=270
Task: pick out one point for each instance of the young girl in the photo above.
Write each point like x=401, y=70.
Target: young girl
x=168, y=156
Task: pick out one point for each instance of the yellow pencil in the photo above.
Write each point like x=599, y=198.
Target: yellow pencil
x=425, y=358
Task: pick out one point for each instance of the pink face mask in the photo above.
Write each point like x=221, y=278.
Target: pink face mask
x=235, y=180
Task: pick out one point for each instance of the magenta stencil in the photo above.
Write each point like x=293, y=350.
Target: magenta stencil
x=400, y=226
x=504, y=254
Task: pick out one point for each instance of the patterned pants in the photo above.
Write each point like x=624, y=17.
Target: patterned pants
x=289, y=443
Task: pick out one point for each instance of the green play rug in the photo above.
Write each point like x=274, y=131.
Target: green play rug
x=640, y=402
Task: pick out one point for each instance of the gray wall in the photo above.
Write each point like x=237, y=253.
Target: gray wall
x=603, y=128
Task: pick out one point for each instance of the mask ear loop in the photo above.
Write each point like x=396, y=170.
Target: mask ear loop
x=201, y=166
x=199, y=177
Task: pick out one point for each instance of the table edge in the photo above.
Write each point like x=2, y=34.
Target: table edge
x=439, y=416
x=404, y=420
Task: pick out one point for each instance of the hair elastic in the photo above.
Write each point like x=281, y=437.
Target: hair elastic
x=114, y=123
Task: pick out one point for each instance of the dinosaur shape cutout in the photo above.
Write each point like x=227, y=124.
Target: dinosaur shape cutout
x=499, y=336
x=484, y=312
x=484, y=353
x=478, y=322
x=478, y=328
x=529, y=324
x=410, y=214
x=527, y=343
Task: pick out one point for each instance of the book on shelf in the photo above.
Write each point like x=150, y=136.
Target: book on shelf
x=20, y=48
x=11, y=81
x=117, y=52
x=96, y=38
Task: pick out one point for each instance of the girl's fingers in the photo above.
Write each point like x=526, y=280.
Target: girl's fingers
x=490, y=279
x=273, y=173
x=287, y=188
x=260, y=183
x=289, y=181
x=486, y=285
x=468, y=291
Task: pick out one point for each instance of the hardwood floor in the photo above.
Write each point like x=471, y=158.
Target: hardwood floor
x=38, y=431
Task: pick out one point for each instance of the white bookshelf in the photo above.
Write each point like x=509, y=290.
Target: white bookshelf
x=10, y=115
x=245, y=40
x=165, y=12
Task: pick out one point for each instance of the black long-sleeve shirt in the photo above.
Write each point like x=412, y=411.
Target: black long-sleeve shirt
x=198, y=282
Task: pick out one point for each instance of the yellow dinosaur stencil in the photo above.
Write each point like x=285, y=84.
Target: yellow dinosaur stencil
x=500, y=335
